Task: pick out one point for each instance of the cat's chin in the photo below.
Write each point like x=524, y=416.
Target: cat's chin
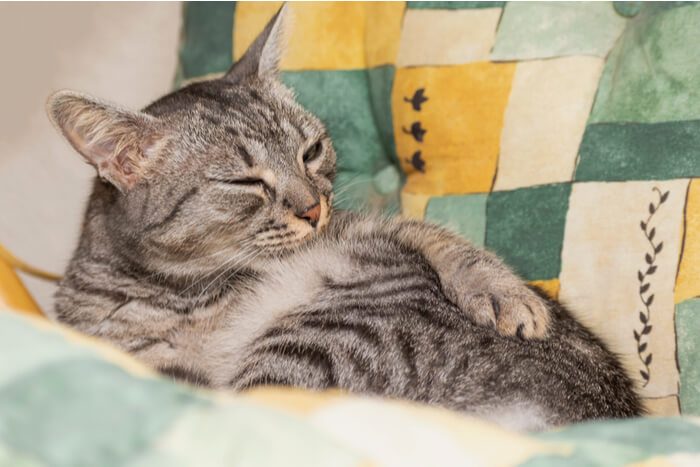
x=291, y=247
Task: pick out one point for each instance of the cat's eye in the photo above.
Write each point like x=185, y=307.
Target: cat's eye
x=312, y=152
x=246, y=181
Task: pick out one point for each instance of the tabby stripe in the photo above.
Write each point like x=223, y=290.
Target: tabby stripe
x=174, y=211
x=150, y=342
x=83, y=287
x=262, y=380
x=268, y=229
x=365, y=332
x=247, y=158
x=328, y=282
x=405, y=345
x=460, y=369
x=418, y=287
x=194, y=377
x=310, y=354
x=210, y=118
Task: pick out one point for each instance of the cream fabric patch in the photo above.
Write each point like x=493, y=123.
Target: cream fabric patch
x=447, y=37
x=545, y=120
x=662, y=406
x=619, y=260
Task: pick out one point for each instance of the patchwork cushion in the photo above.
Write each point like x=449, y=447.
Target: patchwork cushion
x=563, y=136
x=69, y=400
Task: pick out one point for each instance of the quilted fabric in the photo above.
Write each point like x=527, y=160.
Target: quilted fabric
x=563, y=136
x=68, y=400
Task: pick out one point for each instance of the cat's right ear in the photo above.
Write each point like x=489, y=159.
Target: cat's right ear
x=119, y=143
x=263, y=56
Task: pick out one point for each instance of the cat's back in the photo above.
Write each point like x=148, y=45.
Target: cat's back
x=375, y=320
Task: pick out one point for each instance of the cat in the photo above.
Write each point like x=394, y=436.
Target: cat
x=211, y=251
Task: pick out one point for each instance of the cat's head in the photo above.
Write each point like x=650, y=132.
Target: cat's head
x=229, y=164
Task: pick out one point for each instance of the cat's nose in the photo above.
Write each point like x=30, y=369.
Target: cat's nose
x=311, y=215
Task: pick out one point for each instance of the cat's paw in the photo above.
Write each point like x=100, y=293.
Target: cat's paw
x=516, y=311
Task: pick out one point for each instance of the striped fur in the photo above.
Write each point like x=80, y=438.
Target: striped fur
x=212, y=253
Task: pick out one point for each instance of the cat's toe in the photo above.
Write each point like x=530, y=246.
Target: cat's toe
x=525, y=316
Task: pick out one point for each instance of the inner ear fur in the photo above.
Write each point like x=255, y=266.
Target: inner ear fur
x=119, y=143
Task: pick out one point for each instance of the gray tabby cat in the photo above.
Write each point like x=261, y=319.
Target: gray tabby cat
x=210, y=252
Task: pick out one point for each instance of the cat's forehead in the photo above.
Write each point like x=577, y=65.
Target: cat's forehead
x=259, y=124
x=258, y=105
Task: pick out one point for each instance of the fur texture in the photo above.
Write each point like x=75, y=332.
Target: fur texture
x=210, y=250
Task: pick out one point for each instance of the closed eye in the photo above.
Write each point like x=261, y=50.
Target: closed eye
x=248, y=182
x=312, y=152
x=240, y=181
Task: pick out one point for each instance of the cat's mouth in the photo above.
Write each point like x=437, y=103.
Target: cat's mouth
x=296, y=233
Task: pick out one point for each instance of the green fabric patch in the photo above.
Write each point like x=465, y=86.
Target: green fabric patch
x=651, y=75
x=620, y=442
x=207, y=39
x=628, y=9
x=526, y=228
x=452, y=5
x=659, y=7
x=381, y=80
x=552, y=29
x=387, y=180
x=86, y=412
x=688, y=348
x=20, y=354
x=639, y=151
x=355, y=107
x=464, y=214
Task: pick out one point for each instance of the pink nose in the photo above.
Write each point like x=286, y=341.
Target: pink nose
x=311, y=215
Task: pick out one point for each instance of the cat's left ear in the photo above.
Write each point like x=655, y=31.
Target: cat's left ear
x=263, y=56
x=121, y=144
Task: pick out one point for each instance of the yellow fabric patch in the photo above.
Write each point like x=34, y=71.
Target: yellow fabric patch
x=550, y=287
x=326, y=35
x=13, y=294
x=658, y=461
x=292, y=400
x=463, y=118
x=688, y=281
x=413, y=206
x=448, y=37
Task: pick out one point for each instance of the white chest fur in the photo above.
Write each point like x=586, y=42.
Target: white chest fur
x=287, y=286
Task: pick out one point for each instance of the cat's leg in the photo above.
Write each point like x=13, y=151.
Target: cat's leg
x=476, y=280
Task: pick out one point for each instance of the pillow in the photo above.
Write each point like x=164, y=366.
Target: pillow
x=68, y=400
x=562, y=136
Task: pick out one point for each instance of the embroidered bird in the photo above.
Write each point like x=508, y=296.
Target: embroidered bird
x=417, y=162
x=417, y=99
x=416, y=131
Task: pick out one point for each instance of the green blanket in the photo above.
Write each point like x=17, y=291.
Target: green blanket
x=66, y=400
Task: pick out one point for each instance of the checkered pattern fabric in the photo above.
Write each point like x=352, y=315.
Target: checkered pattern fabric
x=563, y=136
x=68, y=400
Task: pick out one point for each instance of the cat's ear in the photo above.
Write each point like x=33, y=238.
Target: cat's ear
x=263, y=56
x=119, y=143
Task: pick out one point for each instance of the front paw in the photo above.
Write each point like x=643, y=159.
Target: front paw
x=515, y=311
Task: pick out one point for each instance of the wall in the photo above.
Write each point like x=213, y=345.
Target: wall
x=123, y=52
